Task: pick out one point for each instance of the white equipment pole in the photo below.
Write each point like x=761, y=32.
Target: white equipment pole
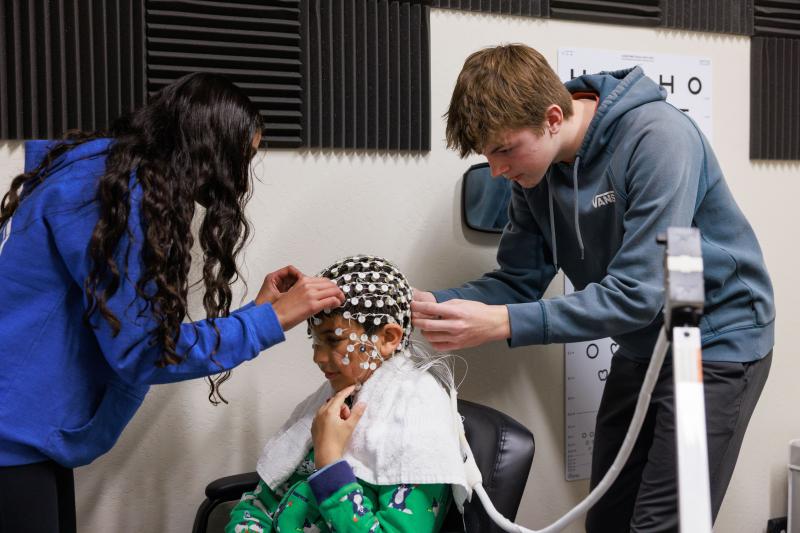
x=683, y=309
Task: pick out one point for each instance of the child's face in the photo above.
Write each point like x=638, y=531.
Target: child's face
x=330, y=340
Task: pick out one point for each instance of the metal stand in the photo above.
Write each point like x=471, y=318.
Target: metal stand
x=694, y=500
x=683, y=309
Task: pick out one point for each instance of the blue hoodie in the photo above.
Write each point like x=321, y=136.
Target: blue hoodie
x=643, y=166
x=66, y=390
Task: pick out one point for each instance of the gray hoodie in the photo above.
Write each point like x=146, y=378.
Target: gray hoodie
x=643, y=166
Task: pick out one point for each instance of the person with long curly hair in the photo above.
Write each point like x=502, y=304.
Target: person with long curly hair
x=95, y=252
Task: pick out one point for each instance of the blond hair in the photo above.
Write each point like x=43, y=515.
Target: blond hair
x=502, y=88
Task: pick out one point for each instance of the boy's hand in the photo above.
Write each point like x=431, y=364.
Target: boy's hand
x=418, y=295
x=458, y=324
x=333, y=426
x=277, y=283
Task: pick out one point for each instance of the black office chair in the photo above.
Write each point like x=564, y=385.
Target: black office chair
x=503, y=450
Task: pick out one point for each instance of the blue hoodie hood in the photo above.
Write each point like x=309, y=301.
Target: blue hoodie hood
x=620, y=91
x=37, y=150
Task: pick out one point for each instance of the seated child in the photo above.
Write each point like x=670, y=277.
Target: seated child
x=384, y=463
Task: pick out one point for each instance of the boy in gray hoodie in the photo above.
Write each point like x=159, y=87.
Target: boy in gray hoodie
x=600, y=166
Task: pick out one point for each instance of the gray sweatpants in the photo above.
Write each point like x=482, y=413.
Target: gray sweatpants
x=644, y=496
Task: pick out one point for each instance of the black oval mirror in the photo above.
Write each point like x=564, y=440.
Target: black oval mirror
x=484, y=199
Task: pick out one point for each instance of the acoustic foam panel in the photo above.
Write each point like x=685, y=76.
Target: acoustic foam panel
x=367, y=74
x=67, y=64
x=530, y=8
x=774, y=107
x=628, y=12
x=255, y=43
x=719, y=16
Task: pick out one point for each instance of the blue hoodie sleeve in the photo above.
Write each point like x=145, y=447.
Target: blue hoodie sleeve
x=665, y=166
x=242, y=335
x=663, y=175
x=526, y=267
x=662, y=180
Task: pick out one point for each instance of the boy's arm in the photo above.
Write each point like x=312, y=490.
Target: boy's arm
x=351, y=507
x=525, y=260
x=254, y=511
x=526, y=269
x=661, y=191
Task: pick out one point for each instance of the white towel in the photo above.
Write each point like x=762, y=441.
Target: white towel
x=409, y=433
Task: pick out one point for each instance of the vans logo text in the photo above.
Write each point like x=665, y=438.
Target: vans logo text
x=603, y=199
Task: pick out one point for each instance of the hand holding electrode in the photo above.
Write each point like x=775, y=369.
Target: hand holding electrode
x=459, y=324
x=333, y=426
x=423, y=296
x=277, y=283
x=306, y=297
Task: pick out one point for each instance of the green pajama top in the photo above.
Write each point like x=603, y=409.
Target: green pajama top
x=348, y=505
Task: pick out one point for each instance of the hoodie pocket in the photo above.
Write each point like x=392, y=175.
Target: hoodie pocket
x=82, y=445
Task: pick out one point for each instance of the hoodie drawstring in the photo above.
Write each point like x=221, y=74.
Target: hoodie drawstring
x=575, y=203
x=574, y=210
x=552, y=223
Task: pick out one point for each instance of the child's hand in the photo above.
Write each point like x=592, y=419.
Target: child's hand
x=277, y=283
x=333, y=426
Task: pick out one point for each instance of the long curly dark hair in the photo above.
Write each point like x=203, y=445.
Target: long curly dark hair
x=192, y=141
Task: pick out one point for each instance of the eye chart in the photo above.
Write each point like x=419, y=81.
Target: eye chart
x=687, y=80
x=586, y=366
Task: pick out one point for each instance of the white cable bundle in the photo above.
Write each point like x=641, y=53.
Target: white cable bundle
x=642, y=404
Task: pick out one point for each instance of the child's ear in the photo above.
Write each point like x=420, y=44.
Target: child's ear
x=390, y=336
